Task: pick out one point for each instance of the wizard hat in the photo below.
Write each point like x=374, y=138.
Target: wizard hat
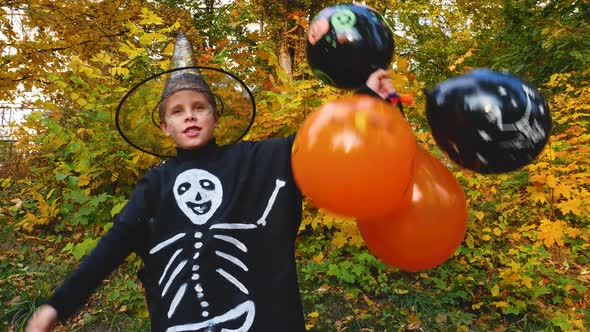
x=138, y=113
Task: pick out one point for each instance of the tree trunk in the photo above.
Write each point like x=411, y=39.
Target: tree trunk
x=285, y=57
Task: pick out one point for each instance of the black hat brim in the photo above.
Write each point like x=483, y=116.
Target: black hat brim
x=137, y=116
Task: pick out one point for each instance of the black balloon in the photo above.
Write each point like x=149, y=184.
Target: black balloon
x=488, y=121
x=346, y=43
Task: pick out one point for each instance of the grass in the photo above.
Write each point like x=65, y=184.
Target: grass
x=439, y=300
x=27, y=278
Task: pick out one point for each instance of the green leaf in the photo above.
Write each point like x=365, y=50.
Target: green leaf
x=117, y=208
x=74, y=146
x=60, y=176
x=561, y=321
x=82, y=249
x=68, y=247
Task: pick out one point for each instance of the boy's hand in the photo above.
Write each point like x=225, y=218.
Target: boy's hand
x=43, y=320
x=380, y=82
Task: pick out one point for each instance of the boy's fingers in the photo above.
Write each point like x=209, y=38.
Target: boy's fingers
x=43, y=320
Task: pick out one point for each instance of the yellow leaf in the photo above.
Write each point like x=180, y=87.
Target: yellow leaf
x=150, y=38
x=48, y=196
x=552, y=181
x=314, y=314
x=539, y=196
x=461, y=59
x=476, y=306
x=469, y=241
x=339, y=239
x=28, y=222
x=369, y=302
x=149, y=17
x=579, y=323
x=327, y=221
x=551, y=232
x=570, y=205
x=573, y=232
x=497, y=231
x=526, y=228
x=526, y=281
x=318, y=258
x=500, y=304
x=516, y=236
x=356, y=240
x=83, y=180
x=402, y=64
x=102, y=57
x=495, y=290
x=479, y=215
x=563, y=190
x=312, y=318
x=538, y=178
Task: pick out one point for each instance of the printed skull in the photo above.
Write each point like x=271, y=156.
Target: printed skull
x=198, y=194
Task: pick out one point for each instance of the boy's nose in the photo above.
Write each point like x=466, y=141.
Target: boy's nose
x=190, y=117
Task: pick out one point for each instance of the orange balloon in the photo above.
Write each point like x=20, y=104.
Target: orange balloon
x=429, y=231
x=353, y=157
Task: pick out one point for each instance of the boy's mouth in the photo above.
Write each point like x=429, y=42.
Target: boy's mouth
x=192, y=131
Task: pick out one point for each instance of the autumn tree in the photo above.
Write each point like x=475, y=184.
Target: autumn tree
x=536, y=39
x=524, y=261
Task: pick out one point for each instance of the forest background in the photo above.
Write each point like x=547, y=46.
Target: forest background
x=524, y=264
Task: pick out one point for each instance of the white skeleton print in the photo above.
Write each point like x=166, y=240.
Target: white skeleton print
x=527, y=133
x=199, y=194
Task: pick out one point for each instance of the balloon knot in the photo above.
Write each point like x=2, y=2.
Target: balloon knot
x=394, y=98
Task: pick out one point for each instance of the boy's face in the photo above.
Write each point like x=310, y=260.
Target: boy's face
x=189, y=119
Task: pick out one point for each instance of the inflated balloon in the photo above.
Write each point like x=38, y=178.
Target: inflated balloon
x=430, y=229
x=353, y=156
x=488, y=121
x=346, y=43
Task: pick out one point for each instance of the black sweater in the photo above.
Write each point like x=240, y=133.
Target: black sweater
x=216, y=229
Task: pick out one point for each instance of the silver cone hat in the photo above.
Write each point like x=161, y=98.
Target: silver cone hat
x=185, y=79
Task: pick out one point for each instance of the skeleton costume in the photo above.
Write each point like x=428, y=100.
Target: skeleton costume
x=215, y=228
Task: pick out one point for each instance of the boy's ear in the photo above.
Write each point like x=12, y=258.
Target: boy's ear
x=164, y=128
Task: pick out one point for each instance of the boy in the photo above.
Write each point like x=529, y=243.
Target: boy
x=215, y=227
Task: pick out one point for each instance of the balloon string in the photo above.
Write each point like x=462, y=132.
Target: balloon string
x=399, y=100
